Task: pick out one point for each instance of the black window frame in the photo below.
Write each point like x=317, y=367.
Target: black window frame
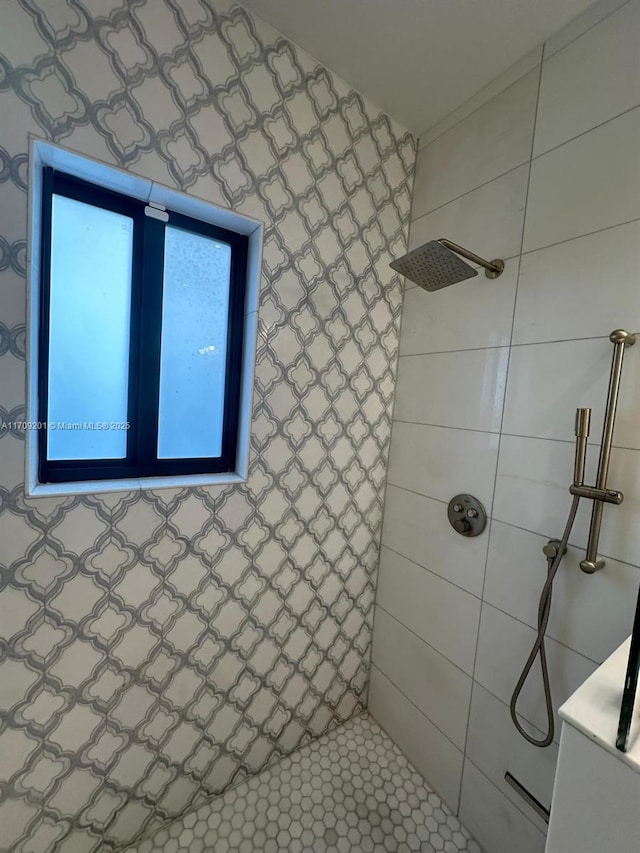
x=142, y=459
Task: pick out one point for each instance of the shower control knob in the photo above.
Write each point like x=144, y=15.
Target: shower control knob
x=466, y=515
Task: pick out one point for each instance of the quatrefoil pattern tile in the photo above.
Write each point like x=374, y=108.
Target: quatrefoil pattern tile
x=158, y=647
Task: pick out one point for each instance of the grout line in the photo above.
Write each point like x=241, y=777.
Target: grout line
x=488, y=601
x=580, y=236
x=527, y=252
x=422, y=713
x=507, y=346
x=426, y=716
x=420, y=494
x=418, y=709
x=570, y=544
x=506, y=385
x=542, y=47
x=448, y=352
x=448, y=427
x=524, y=251
x=528, y=162
x=484, y=103
x=427, y=569
x=426, y=642
x=494, y=607
x=502, y=521
x=473, y=189
x=548, y=636
x=584, y=32
x=585, y=132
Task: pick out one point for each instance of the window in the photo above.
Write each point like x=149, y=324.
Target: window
x=142, y=338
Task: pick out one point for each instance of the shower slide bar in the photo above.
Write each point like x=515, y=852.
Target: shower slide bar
x=599, y=493
x=555, y=549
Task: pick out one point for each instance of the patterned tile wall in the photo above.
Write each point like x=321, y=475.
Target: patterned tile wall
x=156, y=647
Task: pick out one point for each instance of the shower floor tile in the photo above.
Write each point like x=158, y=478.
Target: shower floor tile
x=351, y=790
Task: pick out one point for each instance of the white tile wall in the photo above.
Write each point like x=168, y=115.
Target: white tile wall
x=590, y=183
x=433, y=684
x=532, y=492
x=434, y=460
x=458, y=389
x=516, y=573
x=594, y=79
x=495, y=747
x=570, y=200
x=442, y=614
x=491, y=141
x=490, y=216
x=475, y=313
x=414, y=526
x=548, y=381
x=579, y=288
x=504, y=644
x=493, y=819
x=433, y=754
x=580, y=25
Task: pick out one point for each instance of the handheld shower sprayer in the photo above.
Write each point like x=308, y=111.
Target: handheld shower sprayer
x=555, y=549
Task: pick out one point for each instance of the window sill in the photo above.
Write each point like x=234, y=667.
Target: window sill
x=38, y=490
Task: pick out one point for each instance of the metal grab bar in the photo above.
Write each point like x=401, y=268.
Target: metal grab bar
x=599, y=493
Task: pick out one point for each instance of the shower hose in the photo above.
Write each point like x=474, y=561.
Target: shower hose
x=544, y=609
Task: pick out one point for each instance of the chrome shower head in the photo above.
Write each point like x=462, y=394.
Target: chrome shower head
x=436, y=265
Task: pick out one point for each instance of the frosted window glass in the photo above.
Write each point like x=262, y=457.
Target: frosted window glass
x=90, y=307
x=195, y=314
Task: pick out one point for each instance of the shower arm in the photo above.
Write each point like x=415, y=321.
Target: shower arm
x=492, y=268
x=599, y=493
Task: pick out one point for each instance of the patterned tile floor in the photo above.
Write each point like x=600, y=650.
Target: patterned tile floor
x=351, y=790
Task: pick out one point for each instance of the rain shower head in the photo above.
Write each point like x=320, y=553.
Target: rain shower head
x=436, y=265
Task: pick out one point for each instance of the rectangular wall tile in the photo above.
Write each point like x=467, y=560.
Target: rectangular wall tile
x=514, y=73
x=495, y=747
x=441, y=463
x=458, y=389
x=593, y=79
x=432, y=683
x=589, y=613
x=590, y=183
x=583, y=288
x=591, y=17
x=418, y=528
x=503, y=648
x=547, y=382
x=444, y=615
x=487, y=220
x=439, y=761
x=468, y=315
x=532, y=491
x=493, y=820
x=491, y=141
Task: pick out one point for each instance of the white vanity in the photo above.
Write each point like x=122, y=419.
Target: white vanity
x=596, y=796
